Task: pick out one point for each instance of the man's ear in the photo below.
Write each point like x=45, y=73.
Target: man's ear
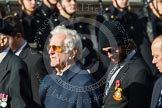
x=75, y=51
x=58, y=5
x=18, y=35
x=20, y=2
x=151, y=5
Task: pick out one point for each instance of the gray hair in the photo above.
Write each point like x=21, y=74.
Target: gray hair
x=71, y=41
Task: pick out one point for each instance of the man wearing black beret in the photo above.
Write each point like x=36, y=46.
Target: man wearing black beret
x=127, y=84
x=15, y=90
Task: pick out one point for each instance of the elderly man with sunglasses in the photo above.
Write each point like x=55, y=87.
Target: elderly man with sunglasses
x=70, y=85
x=127, y=83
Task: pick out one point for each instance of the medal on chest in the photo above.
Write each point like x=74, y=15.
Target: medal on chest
x=118, y=91
x=3, y=100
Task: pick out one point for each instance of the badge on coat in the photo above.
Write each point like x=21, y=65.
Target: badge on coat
x=3, y=100
x=118, y=91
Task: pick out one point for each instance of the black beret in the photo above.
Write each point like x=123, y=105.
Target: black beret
x=112, y=33
x=5, y=28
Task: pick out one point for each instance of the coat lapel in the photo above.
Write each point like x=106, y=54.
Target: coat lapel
x=4, y=65
x=23, y=53
x=121, y=75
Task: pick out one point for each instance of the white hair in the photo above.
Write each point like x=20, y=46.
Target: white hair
x=71, y=41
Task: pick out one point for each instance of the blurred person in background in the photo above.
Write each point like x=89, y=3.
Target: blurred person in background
x=150, y=21
x=120, y=11
x=31, y=23
x=46, y=19
x=2, y=11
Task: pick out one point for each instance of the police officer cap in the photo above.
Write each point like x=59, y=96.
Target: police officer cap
x=5, y=28
x=112, y=33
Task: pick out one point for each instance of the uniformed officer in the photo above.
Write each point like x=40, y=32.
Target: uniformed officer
x=48, y=9
x=67, y=10
x=119, y=10
x=46, y=20
x=26, y=15
x=36, y=22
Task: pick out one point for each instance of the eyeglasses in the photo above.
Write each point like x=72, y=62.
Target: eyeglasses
x=58, y=49
x=111, y=50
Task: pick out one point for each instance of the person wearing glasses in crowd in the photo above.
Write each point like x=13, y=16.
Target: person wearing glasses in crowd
x=128, y=77
x=67, y=11
x=70, y=85
x=15, y=89
x=120, y=10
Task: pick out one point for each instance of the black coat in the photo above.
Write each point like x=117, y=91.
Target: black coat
x=143, y=40
x=36, y=71
x=45, y=20
x=135, y=84
x=155, y=22
x=126, y=18
x=37, y=27
x=14, y=82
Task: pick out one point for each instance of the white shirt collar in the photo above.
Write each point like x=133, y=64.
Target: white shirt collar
x=132, y=53
x=20, y=49
x=3, y=54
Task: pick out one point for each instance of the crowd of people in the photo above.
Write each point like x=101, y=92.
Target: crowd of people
x=48, y=58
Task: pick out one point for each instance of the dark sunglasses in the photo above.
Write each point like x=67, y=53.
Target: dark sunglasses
x=58, y=49
x=111, y=50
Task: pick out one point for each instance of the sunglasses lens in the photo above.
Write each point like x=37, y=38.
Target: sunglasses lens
x=55, y=48
x=111, y=50
x=58, y=49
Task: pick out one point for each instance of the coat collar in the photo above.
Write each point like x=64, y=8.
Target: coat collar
x=68, y=74
x=24, y=51
x=71, y=72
